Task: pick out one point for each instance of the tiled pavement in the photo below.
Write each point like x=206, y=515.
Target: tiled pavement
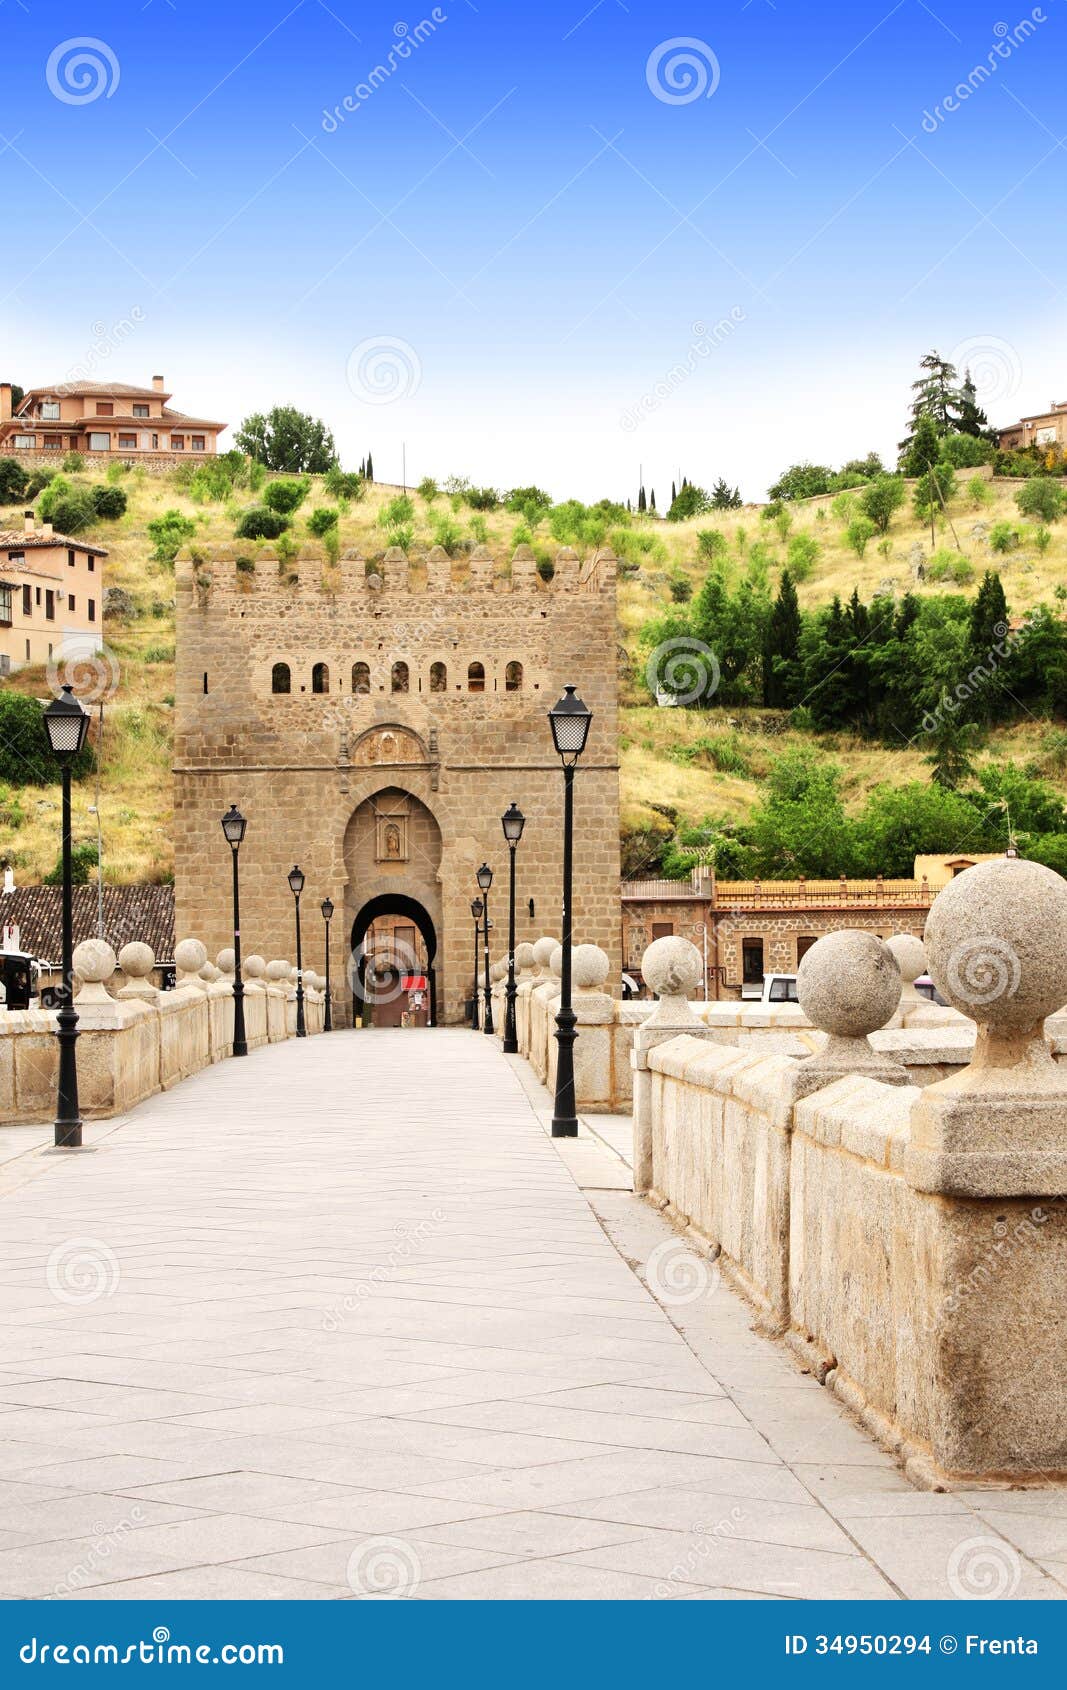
x=340, y=1321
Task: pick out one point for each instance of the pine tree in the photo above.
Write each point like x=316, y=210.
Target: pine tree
x=642, y=502
x=923, y=450
x=782, y=672
x=972, y=419
x=950, y=745
x=936, y=396
x=370, y=467
x=725, y=498
x=674, y=491
x=652, y=499
x=989, y=616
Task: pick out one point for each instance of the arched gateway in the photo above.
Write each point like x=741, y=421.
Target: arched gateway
x=392, y=856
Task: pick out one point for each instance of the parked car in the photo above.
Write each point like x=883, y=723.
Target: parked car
x=779, y=988
x=925, y=985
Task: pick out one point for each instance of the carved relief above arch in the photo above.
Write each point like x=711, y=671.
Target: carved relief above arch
x=389, y=745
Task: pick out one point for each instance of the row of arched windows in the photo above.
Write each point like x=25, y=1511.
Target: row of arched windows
x=281, y=679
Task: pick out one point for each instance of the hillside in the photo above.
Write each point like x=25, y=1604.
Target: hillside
x=662, y=771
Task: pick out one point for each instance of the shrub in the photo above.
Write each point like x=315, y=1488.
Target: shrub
x=25, y=758
x=934, y=490
x=1003, y=537
x=69, y=513
x=73, y=463
x=116, y=469
x=979, y=491
x=691, y=501
x=859, y=531
x=213, y=480
x=402, y=535
x=321, y=521
x=159, y=654
x=965, y=451
x=340, y=484
x=711, y=544
x=802, y=555
x=13, y=480
x=260, y=523
x=284, y=497
x=446, y=533
x=479, y=529
x=38, y=481
x=109, y=502
x=83, y=857
x=398, y=511
x=428, y=489
x=947, y=565
x=882, y=499
x=246, y=566
x=483, y=498
x=1041, y=498
x=545, y=568
x=526, y=499
x=681, y=588
x=845, y=507
x=801, y=481
x=1042, y=539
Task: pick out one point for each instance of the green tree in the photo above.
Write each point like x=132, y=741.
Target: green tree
x=25, y=756
x=936, y=398
x=1041, y=497
x=923, y=449
x=724, y=497
x=259, y=522
x=286, y=496
x=691, y=501
x=800, y=827
x=782, y=670
x=801, y=481
x=934, y=490
x=859, y=531
x=899, y=823
x=13, y=479
x=289, y=440
x=168, y=533
x=971, y=418
x=952, y=742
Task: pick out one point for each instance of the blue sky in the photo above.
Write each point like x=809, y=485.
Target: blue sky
x=512, y=254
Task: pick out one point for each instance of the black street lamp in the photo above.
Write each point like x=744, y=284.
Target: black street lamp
x=512, y=821
x=296, y=886
x=570, y=720
x=67, y=724
x=484, y=878
x=476, y=912
x=327, y=1016
x=233, y=826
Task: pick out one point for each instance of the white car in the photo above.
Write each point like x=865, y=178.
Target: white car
x=779, y=988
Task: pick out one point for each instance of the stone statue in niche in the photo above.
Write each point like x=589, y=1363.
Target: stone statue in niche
x=392, y=839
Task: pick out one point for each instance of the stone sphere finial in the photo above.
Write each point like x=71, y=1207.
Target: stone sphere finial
x=909, y=956
x=848, y=983
x=227, y=960
x=94, y=962
x=555, y=961
x=190, y=955
x=525, y=956
x=590, y=967
x=253, y=967
x=543, y=949
x=277, y=970
x=137, y=960
x=672, y=967
x=994, y=939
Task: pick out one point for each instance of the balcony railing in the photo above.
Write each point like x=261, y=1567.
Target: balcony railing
x=878, y=893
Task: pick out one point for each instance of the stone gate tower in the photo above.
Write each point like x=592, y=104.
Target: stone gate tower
x=374, y=725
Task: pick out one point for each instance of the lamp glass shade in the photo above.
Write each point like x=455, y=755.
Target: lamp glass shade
x=296, y=881
x=233, y=825
x=327, y=909
x=513, y=821
x=570, y=719
x=476, y=908
x=66, y=724
x=484, y=877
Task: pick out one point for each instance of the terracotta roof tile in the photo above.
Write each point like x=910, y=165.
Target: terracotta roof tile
x=13, y=539
x=130, y=912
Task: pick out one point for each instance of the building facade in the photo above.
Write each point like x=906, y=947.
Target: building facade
x=102, y=421
x=374, y=725
x=748, y=929
x=1048, y=428
x=51, y=596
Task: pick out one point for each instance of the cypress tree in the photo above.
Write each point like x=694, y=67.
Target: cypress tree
x=782, y=674
x=652, y=499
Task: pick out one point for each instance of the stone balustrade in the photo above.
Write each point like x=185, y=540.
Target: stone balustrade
x=135, y=1040
x=909, y=1242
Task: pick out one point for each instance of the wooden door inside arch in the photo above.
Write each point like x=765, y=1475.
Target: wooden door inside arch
x=399, y=987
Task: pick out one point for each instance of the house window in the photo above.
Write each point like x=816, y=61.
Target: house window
x=155, y=442
x=49, y=604
x=804, y=944
x=52, y=443
x=320, y=678
x=197, y=442
x=279, y=678
x=37, y=592
x=438, y=677
x=663, y=929
x=91, y=561
x=141, y=411
x=361, y=677
x=128, y=442
x=399, y=680
x=50, y=410
x=5, y=604
x=72, y=557
x=71, y=605
x=513, y=677
x=92, y=610
x=476, y=677
x=26, y=441
x=104, y=408
x=177, y=442
x=27, y=651
x=17, y=559
x=27, y=601
x=752, y=962
x=99, y=442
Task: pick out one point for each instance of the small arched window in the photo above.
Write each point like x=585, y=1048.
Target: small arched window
x=361, y=677
x=438, y=677
x=320, y=678
x=476, y=677
x=279, y=678
x=399, y=681
x=513, y=677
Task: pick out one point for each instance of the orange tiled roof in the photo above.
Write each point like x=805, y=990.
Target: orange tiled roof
x=103, y=390
x=12, y=540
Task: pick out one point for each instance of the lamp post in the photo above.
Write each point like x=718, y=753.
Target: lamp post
x=484, y=878
x=67, y=724
x=327, y=1016
x=512, y=821
x=296, y=886
x=233, y=827
x=476, y=912
x=570, y=720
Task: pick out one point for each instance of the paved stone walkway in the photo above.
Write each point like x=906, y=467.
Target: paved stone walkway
x=341, y=1320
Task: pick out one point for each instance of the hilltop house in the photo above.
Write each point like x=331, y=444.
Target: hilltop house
x=1049, y=428
x=51, y=596
x=102, y=420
